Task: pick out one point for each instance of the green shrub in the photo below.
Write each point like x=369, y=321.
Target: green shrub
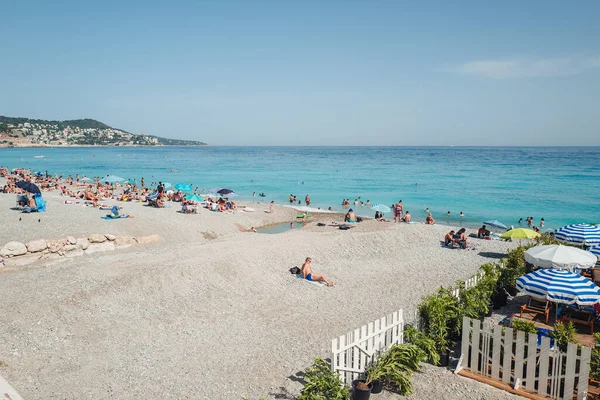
x=563, y=334
x=440, y=318
x=595, y=360
x=395, y=367
x=323, y=384
x=424, y=342
x=525, y=326
x=513, y=266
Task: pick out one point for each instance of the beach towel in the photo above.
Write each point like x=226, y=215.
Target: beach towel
x=300, y=276
x=109, y=218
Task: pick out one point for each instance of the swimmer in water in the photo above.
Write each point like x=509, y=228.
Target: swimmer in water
x=461, y=214
x=427, y=210
x=448, y=214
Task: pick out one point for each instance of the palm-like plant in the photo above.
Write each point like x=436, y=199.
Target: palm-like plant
x=396, y=366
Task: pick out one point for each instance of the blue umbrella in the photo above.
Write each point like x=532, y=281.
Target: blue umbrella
x=224, y=192
x=495, y=223
x=111, y=179
x=193, y=197
x=560, y=286
x=579, y=234
x=184, y=187
x=381, y=208
x=595, y=250
x=167, y=185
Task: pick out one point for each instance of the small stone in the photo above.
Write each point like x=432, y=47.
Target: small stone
x=147, y=239
x=36, y=245
x=110, y=237
x=71, y=240
x=55, y=245
x=97, y=238
x=83, y=242
x=12, y=249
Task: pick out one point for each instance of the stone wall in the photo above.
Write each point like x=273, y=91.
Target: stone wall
x=16, y=254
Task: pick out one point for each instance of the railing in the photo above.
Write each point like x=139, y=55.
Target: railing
x=356, y=350
x=525, y=361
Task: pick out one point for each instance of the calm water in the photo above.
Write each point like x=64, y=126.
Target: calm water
x=560, y=184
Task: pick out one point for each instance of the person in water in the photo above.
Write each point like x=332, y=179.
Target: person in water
x=542, y=222
x=427, y=210
x=461, y=214
x=308, y=274
x=307, y=200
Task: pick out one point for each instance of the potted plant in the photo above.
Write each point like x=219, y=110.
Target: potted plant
x=323, y=383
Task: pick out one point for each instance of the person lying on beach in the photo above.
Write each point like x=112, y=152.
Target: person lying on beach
x=307, y=272
x=483, y=232
x=429, y=220
x=448, y=238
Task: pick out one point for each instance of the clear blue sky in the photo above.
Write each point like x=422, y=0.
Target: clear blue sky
x=310, y=72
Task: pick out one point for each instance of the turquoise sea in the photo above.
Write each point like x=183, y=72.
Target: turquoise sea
x=559, y=184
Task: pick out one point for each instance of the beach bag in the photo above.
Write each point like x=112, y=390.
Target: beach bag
x=294, y=270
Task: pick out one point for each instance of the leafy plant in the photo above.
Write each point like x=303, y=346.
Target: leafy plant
x=440, y=315
x=563, y=334
x=525, y=326
x=513, y=266
x=323, y=384
x=424, y=342
x=595, y=360
x=396, y=366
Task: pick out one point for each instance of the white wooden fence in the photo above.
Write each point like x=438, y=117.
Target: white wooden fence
x=469, y=283
x=354, y=351
x=515, y=358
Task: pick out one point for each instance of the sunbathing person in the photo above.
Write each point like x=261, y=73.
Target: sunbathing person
x=483, y=232
x=350, y=216
x=306, y=271
x=429, y=220
x=460, y=238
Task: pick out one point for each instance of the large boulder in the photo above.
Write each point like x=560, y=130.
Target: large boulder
x=147, y=239
x=55, y=245
x=36, y=245
x=12, y=249
x=124, y=241
x=97, y=238
x=83, y=243
x=97, y=247
x=110, y=237
x=22, y=260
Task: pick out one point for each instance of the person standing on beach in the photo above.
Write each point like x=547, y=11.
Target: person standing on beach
x=272, y=206
x=143, y=183
x=161, y=190
x=306, y=271
x=398, y=211
x=307, y=200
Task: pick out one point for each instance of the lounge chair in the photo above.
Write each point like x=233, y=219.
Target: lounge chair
x=21, y=201
x=536, y=307
x=580, y=316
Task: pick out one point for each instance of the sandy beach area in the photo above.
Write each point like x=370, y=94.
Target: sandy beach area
x=211, y=311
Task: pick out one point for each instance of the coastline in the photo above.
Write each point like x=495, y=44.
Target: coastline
x=210, y=301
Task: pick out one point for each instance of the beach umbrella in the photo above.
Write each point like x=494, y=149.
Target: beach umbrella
x=520, y=233
x=495, y=223
x=224, y=192
x=595, y=250
x=167, y=185
x=194, y=197
x=381, y=208
x=111, y=179
x=28, y=187
x=184, y=187
x=560, y=257
x=86, y=179
x=560, y=286
x=579, y=234
x=214, y=190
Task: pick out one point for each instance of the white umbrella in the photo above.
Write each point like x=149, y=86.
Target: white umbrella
x=560, y=257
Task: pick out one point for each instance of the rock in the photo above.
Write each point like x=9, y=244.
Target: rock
x=71, y=240
x=12, y=249
x=147, y=239
x=50, y=256
x=97, y=238
x=69, y=248
x=124, y=241
x=97, y=247
x=74, y=253
x=110, y=237
x=83, y=242
x=36, y=245
x=22, y=260
x=55, y=245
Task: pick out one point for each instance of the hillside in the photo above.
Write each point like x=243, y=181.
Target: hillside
x=27, y=132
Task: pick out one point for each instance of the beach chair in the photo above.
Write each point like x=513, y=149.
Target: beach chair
x=21, y=201
x=536, y=307
x=580, y=316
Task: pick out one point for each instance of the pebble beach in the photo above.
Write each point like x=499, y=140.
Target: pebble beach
x=211, y=310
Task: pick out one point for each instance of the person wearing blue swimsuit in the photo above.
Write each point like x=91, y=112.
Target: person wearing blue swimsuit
x=309, y=276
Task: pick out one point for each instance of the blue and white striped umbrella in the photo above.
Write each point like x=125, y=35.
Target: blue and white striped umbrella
x=381, y=208
x=578, y=234
x=595, y=250
x=560, y=286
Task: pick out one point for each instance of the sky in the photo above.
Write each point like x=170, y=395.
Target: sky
x=310, y=72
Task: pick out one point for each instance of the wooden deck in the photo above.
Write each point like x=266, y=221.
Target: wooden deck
x=583, y=332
